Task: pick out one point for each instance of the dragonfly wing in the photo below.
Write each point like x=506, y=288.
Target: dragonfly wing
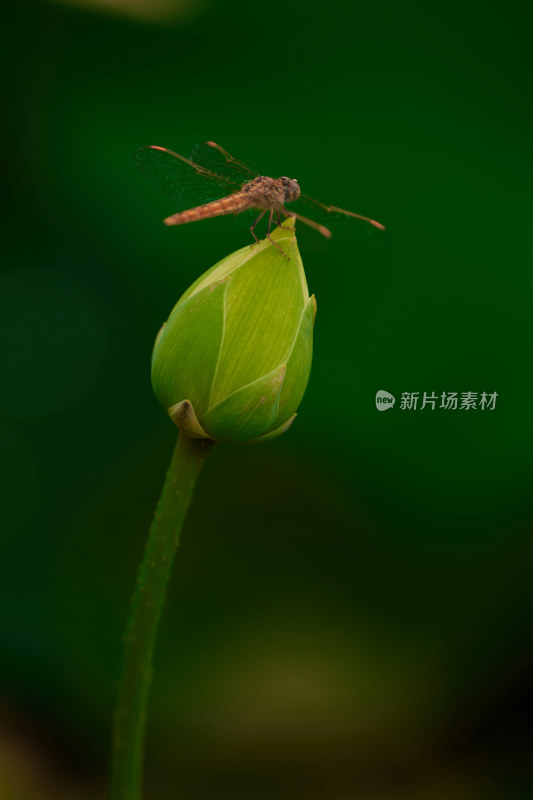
x=345, y=225
x=187, y=183
x=212, y=156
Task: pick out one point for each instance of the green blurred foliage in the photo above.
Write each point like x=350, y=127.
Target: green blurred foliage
x=350, y=610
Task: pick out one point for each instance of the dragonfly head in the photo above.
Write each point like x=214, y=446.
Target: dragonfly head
x=291, y=189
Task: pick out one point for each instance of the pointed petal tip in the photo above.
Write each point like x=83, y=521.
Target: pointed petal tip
x=312, y=301
x=289, y=222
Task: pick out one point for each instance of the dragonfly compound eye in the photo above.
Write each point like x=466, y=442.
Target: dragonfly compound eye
x=292, y=189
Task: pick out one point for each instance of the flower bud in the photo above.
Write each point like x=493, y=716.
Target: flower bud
x=233, y=360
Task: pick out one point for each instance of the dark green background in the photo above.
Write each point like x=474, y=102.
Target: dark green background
x=350, y=614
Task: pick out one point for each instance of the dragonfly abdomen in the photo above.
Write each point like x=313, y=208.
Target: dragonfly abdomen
x=233, y=204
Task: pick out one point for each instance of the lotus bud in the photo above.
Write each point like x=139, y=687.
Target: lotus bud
x=233, y=360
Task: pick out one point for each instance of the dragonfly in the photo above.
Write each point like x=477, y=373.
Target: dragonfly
x=212, y=183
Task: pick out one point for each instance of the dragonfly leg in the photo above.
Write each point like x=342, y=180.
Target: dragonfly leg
x=269, y=237
x=269, y=226
x=252, y=229
x=285, y=227
x=312, y=224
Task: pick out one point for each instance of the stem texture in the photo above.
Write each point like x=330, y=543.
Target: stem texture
x=141, y=629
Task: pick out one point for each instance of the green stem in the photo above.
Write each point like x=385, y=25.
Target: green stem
x=148, y=598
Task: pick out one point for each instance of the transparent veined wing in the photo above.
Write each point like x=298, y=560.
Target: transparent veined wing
x=187, y=183
x=345, y=225
x=213, y=156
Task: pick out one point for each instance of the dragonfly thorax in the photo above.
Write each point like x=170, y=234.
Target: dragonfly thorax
x=265, y=192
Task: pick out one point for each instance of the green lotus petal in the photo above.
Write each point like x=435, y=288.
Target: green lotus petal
x=298, y=364
x=248, y=412
x=226, y=266
x=187, y=351
x=267, y=437
x=264, y=304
